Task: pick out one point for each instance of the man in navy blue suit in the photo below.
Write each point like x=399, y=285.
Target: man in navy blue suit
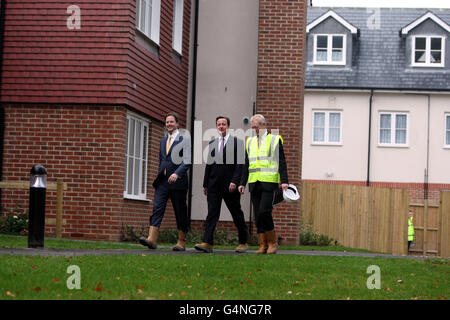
x=171, y=183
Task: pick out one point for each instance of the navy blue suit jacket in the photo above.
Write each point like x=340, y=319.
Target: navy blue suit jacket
x=178, y=161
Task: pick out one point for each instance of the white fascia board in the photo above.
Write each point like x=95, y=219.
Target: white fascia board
x=337, y=17
x=428, y=15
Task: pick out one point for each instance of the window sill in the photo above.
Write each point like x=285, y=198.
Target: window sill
x=400, y=146
x=327, y=144
x=136, y=199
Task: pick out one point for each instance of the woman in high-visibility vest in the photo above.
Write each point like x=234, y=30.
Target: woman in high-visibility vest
x=410, y=229
x=265, y=168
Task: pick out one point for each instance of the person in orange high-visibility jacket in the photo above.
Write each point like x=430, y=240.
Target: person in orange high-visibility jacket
x=265, y=168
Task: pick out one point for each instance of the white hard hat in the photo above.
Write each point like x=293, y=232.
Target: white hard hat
x=291, y=193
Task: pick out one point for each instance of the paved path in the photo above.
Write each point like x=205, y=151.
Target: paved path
x=189, y=251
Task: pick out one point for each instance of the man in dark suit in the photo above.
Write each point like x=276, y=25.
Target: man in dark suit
x=171, y=183
x=265, y=168
x=222, y=176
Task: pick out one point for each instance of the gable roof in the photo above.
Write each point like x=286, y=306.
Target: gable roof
x=335, y=16
x=379, y=57
x=428, y=15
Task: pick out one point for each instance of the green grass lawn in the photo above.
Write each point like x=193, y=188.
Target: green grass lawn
x=209, y=276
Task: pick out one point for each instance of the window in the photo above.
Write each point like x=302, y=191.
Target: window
x=329, y=49
x=327, y=127
x=136, y=158
x=447, y=130
x=148, y=17
x=177, y=36
x=428, y=51
x=393, y=129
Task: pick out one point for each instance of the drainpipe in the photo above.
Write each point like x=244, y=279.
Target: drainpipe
x=425, y=187
x=194, y=89
x=370, y=137
x=2, y=109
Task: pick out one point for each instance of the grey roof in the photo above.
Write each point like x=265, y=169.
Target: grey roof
x=380, y=62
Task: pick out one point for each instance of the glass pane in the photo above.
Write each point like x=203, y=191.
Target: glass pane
x=319, y=119
x=321, y=55
x=138, y=13
x=385, y=136
x=334, y=134
x=143, y=13
x=319, y=135
x=335, y=120
x=420, y=56
x=338, y=42
x=138, y=139
x=322, y=41
x=385, y=121
x=448, y=123
x=136, y=177
x=435, y=57
x=130, y=176
x=400, y=136
x=421, y=43
x=400, y=121
x=436, y=43
x=132, y=135
x=447, y=138
x=337, y=55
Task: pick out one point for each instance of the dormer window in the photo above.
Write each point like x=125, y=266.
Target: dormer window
x=329, y=49
x=428, y=51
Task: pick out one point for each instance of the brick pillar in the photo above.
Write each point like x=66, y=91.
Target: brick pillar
x=281, y=61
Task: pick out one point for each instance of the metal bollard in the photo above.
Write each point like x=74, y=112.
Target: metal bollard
x=36, y=225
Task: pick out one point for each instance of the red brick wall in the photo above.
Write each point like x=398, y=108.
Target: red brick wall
x=281, y=60
x=100, y=63
x=84, y=146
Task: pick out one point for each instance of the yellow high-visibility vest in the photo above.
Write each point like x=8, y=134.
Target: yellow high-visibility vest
x=410, y=229
x=263, y=159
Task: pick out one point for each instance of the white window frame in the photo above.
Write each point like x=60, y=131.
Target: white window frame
x=140, y=159
x=327, y=127
x=148, y=16
x=329, y=60
x=427, y=62
x=177, y=34
x=393, y=129
x=446, y=129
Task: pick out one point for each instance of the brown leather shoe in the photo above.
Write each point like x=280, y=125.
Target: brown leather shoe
x=204, y=247
x=241, y=248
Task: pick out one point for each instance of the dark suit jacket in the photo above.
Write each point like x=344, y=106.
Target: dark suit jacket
x=178, y=161
x=225, y=167
x=269, y=186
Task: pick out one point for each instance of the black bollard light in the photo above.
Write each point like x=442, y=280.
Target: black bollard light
x=36, y=224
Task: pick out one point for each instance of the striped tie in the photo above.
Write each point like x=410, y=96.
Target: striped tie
x=168, y=145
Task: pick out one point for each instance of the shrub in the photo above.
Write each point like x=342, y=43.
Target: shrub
x=310, y=237
x=13, y=221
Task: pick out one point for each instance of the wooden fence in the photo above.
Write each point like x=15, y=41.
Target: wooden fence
x=59, y=186
x=376, y=218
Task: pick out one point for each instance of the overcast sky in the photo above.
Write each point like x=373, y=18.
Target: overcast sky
x=383, y=3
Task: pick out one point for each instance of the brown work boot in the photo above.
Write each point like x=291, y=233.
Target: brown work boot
x=262, y=243
x=204, y=247
x=152, y=238
x=272, y=242
x=181, y=243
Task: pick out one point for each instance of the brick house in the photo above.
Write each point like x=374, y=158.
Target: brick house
x=84, y=93
x=377, y=99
